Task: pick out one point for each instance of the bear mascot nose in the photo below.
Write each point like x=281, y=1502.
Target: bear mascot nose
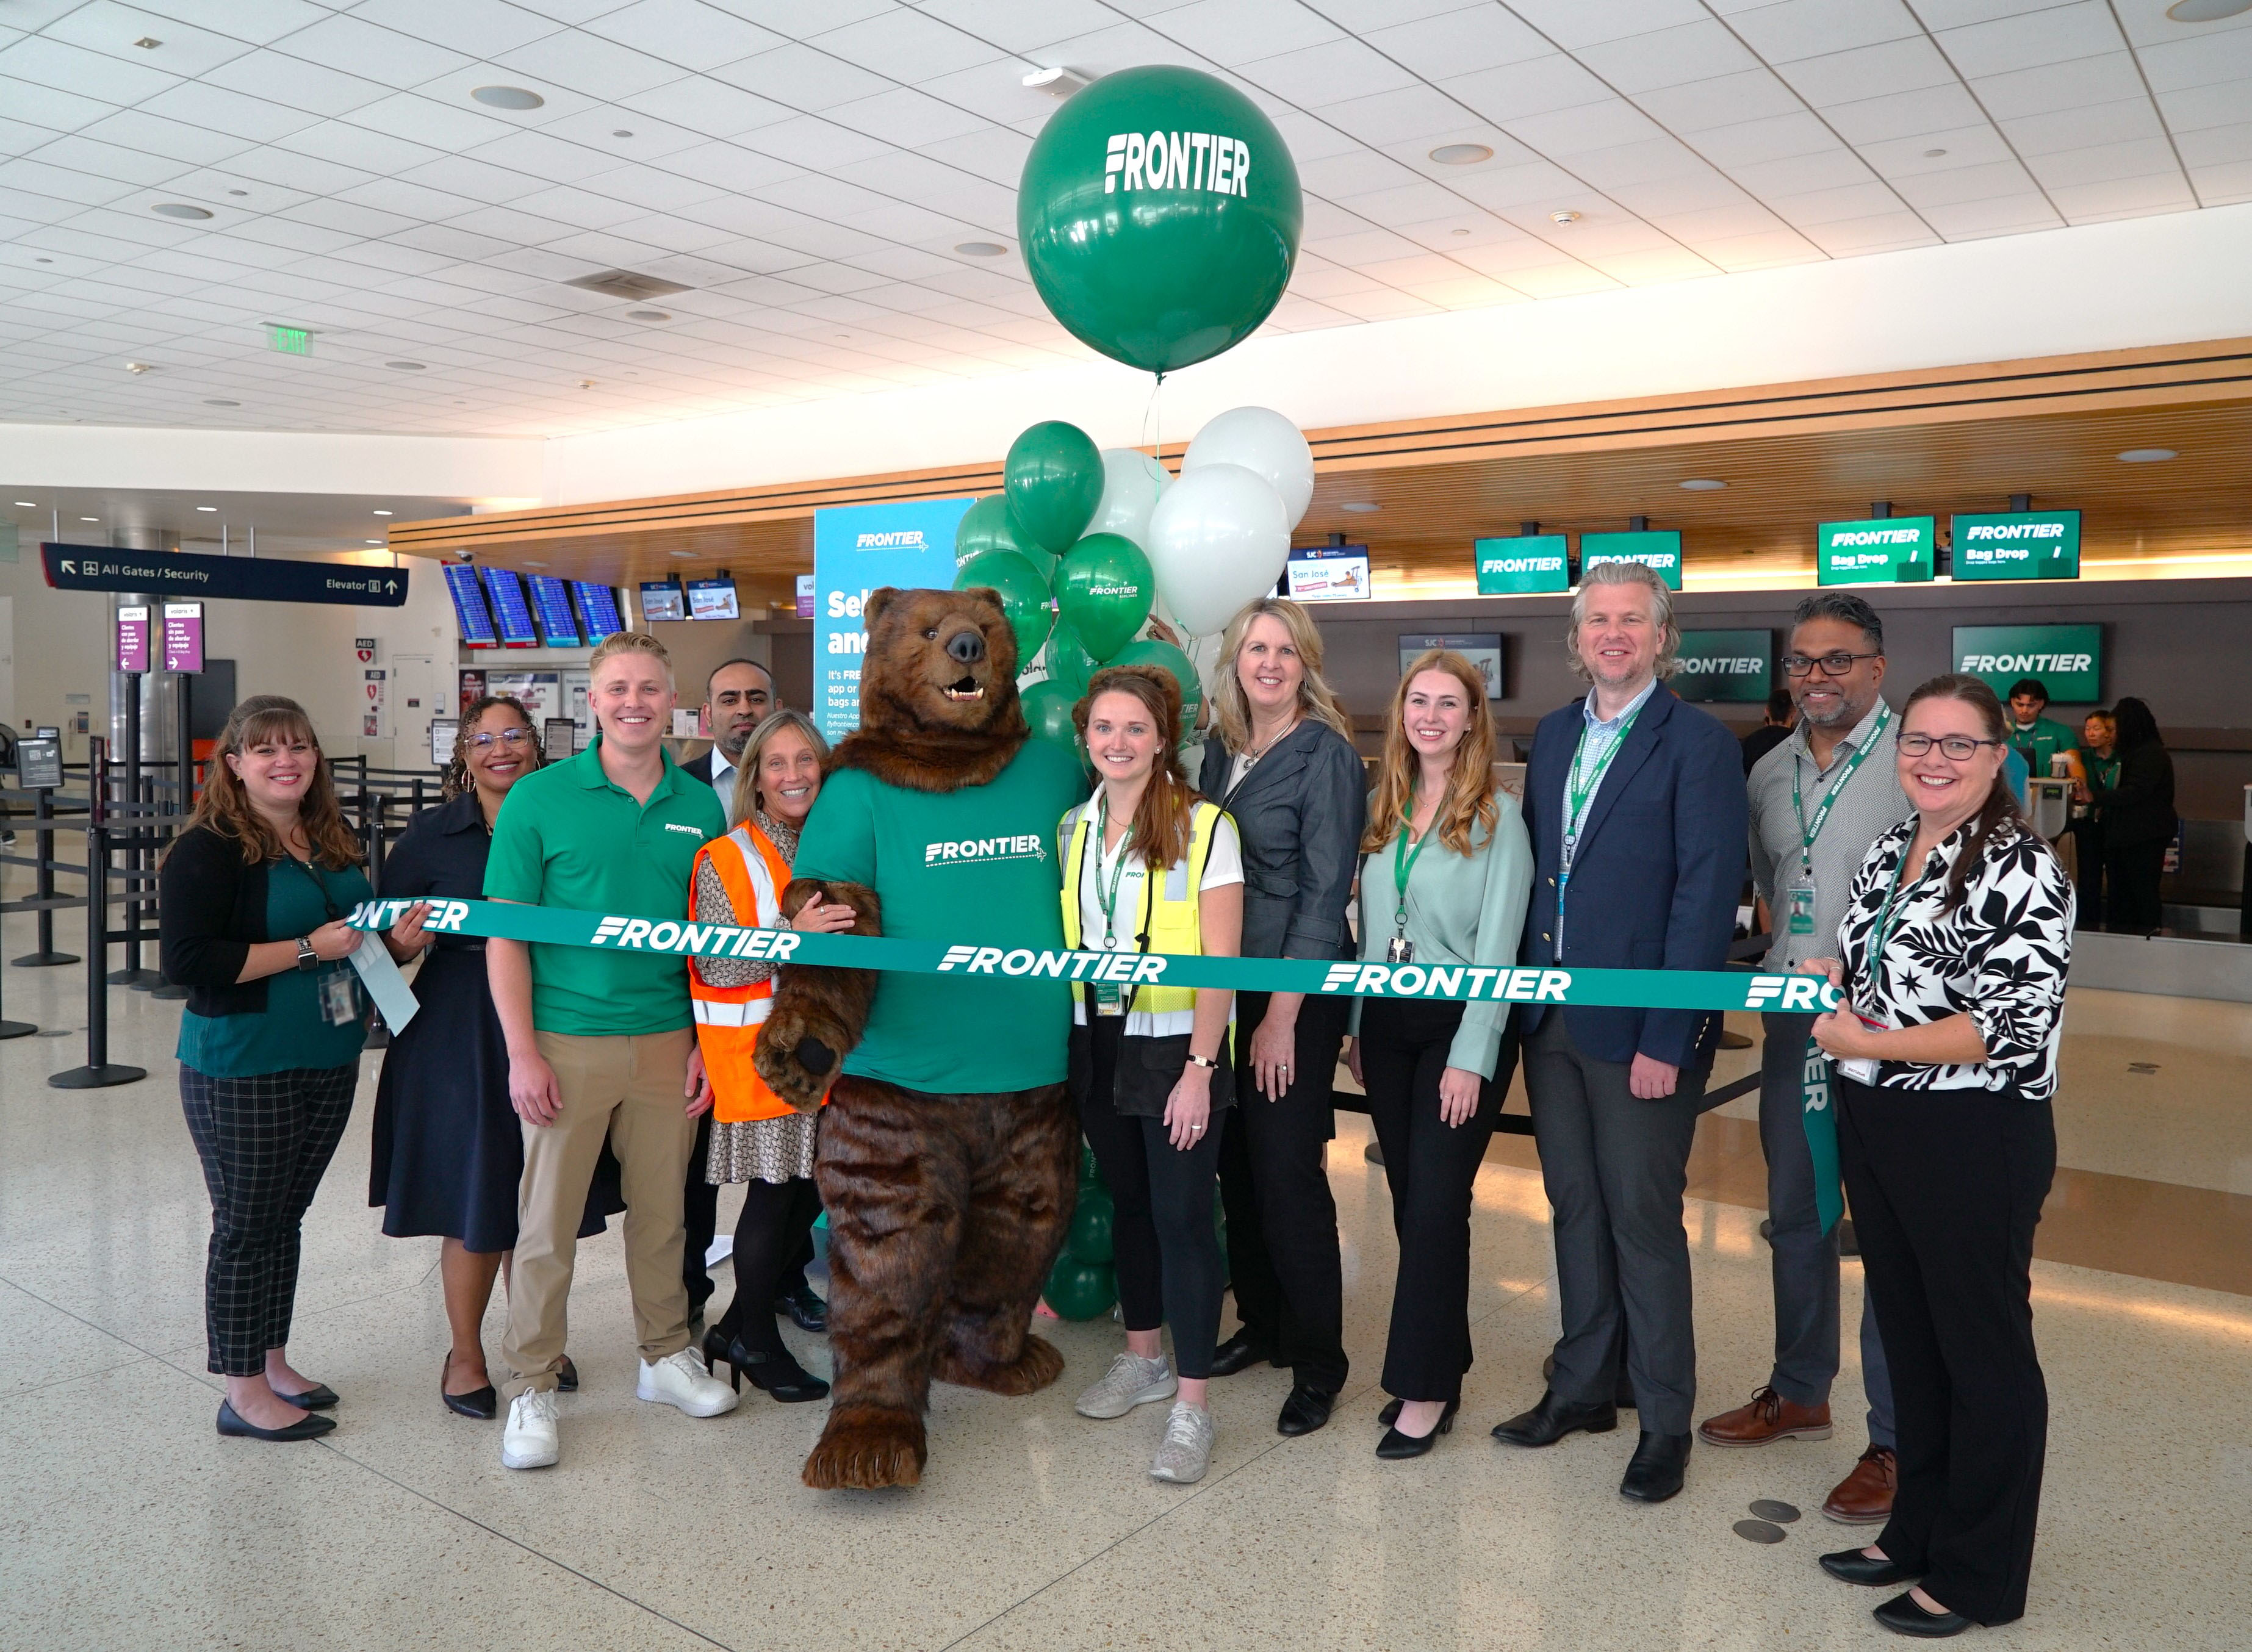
x=966, y=647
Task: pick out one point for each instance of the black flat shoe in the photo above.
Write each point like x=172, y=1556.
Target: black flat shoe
x=1241, y=1352
x=804, y=1309
x=1903, y=1616
x=566, y=1378
x=1306, y=1410
x=1622, y=1394
x=1659, y=1464
x=309, y=1427
x=1396, y=1447
x=1553, y=1419
x=319, y=1396
x=1851, y=1566
x=1390, y=1414
x=480, y=1403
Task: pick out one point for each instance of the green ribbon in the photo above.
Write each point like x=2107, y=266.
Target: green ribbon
x=1633, y=988
x=1817, y=1116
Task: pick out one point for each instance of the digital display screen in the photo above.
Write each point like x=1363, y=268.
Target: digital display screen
x=598, y=607
x=551, y=600
x=511, y=613
x=1484, y=650
x=469, y=612
x=712, y=599
x=1328, y=574
x=661, y=599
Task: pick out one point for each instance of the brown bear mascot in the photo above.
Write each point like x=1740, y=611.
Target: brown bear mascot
x=949, y=1150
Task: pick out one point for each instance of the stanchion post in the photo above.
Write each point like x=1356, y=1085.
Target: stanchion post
x=47, y=957
x=99, y=1072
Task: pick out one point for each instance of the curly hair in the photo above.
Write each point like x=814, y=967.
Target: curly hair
x=224, y=806
x=456, y=779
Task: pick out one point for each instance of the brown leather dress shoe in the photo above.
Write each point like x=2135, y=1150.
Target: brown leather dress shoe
x=1768, y=1417
x=1865, y=1497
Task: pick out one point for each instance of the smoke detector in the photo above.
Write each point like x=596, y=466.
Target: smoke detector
x=1058, y=83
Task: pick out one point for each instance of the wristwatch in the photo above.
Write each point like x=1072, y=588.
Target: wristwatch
x=1206, y=1062
x=307, y=960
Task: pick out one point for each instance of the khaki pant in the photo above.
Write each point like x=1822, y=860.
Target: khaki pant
x=627, y=1090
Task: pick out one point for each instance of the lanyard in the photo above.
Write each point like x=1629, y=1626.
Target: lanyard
x=1881, y=931
x=1108, y=898
x=1403, y=864
x=1581, y=787
x=1807, y=833
x=320, y=884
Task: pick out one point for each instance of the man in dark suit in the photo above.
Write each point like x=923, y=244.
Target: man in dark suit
x=737, y=697
x=1636, y=806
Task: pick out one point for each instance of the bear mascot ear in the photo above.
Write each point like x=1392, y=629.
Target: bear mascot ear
x=879, y=598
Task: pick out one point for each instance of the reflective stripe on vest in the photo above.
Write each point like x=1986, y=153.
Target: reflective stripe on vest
x=1174, y=924
x=728, y=1018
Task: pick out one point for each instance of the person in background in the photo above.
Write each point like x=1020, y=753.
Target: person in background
x=2139, y=821
x=1436, y=1070
x=445, y=1154
x=1150, y=1069
x=2099, y=738
x=1952, y=957
x=1283, y=766
x=252, y=898
x=1771, y=733
x=756, y=1138
x=1634, y=804
x=2038, y=740
x=1817, y=805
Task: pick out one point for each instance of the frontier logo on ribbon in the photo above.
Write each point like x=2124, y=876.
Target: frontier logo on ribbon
x=1207, y=160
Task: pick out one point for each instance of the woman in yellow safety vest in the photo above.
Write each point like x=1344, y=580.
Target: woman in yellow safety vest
x=757, y=1139
x=1149, y=1065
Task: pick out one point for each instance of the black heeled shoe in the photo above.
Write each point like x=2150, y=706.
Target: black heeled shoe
x=310, y=1426
x=319, y=1396
x=1390, y=1414
x=482, y=1404
x=777, y=1374
x=1396, y=1447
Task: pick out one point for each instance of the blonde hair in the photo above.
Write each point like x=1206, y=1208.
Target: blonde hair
x=630, y=643
x=224, y=806
x=746, y=796
x=1661, y=609
x=1232, y=710
x=1469, y=798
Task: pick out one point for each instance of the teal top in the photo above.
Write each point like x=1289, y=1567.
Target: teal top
x=289, y=1034
x=1462, y=909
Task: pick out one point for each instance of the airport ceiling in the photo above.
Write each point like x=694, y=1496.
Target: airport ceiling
x=831, y=183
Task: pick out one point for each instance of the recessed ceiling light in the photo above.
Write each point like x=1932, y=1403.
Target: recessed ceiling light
x=213, y=401
x=2148, y=455
x=1933, y=154
x=383, y=513
x=2206, y=10
x=1700, y=484
x=1459, y=232
x=89, y=519
x=585, y=384
x=27, y=504
x=529, y=563
x=404, y=366
x=375, y=542
x=981, y=249
x=1462, y=154
x=43, y=261
x=207, y=508
x=179, y=209
x=615, y=132
x=1360, y=508
x=649, y=314
x=507, y=97
x=680, y=554
x=136, y=368
x=1566, y=217
x=237, y=192
x=147, y=44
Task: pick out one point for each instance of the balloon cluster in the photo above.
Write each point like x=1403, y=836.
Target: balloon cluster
x=1084, y=545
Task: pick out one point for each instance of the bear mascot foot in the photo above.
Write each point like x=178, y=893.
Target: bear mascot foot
x=818, y=1013
x=1034, y=1368
x=866, y=1448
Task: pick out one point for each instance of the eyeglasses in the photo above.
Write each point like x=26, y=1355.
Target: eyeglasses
x=1959, y=747
x=511, y=738
x=1831, y=665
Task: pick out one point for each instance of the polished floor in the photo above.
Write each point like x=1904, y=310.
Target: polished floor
x=126, y=1522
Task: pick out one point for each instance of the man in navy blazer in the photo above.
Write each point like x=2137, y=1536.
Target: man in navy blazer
x=1636, y=806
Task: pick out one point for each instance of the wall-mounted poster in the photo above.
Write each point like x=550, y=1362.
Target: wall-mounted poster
x=857, y=549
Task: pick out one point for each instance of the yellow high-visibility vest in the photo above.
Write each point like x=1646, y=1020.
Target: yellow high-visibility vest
x=1168, y=904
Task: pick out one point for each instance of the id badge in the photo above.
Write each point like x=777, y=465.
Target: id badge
x=1802, y=911
x=1110, y=998
x=1863, y=1069
x=339, y=998
x=1398, y=950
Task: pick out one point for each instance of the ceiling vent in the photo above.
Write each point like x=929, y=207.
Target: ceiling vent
x=627, y=284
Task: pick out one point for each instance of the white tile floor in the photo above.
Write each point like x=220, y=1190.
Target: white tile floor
x=126, y=1522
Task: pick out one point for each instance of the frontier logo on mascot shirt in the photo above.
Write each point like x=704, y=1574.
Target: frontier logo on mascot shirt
x=970, y=851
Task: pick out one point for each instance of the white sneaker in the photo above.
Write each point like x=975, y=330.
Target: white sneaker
x=1130, y=1381
x=1186, y=1451
x=684, y=1381
x=531, y=1439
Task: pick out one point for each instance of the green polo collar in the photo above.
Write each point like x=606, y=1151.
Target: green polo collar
x=588, y=772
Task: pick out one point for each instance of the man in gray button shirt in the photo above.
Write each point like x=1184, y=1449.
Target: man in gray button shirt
x=1818, y=802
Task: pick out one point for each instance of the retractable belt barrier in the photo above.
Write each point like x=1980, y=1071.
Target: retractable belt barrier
x=1632, y=989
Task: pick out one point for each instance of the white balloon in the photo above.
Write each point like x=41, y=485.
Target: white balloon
x=1131, y=483
x=1219, y=538
x=1264, y=442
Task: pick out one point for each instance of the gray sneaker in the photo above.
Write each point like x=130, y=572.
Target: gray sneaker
x=1130, y=1381
x=1186, y=1451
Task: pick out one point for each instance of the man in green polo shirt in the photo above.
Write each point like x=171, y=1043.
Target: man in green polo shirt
x=2038, y=739
x=601, y=1044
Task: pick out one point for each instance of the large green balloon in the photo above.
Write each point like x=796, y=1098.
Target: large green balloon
x=1069, y=663
x=1149, y=651
x=1054, y=480
x=1024, y=596
x=1047, y=708
x=1159, y=213
x=985, y=527
x=1089, y=1238
x=1104, y=588
x=1079, y=1290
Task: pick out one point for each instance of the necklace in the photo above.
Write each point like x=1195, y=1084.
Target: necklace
x=1252, y=754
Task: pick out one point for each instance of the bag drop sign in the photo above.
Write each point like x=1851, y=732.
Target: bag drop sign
x=2021, y=545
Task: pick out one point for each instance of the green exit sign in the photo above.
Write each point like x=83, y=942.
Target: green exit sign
x=2018, y=544
x=1527, y=565
x=1882, y=550
x=1658, y=549
x=290, y=341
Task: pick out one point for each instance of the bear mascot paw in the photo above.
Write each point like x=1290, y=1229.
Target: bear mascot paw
x=946, y=1210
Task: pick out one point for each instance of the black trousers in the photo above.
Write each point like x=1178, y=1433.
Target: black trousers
x=1430, y=1166
x=1947, y=1186
x=772, y=1222
x=699, y=1213
x=1275, y=1185
x=2088, y=835
x=264, y=1141
x=1165, y=1247
x=2131, y=879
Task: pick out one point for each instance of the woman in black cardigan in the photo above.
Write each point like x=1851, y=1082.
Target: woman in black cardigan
x=252, y=898
x=2138, y=821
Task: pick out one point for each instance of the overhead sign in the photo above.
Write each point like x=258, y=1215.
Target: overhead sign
x=2018, y=544
x=2068, y=659
x=133, y=639
x=1881, y=551
x=1529, y=565
x=92, y=567
x=184, y=636
x=1659, y=549
x=1328, y=574
x=856, y=549
x=1733, y=668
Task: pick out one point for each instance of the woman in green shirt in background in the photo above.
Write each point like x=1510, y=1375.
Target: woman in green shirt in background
x=1446, y=873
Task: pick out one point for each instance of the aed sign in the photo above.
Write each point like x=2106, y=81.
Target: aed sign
x=1734, y=668
x=1882, y=550
x=1530, y=565
x=2018, y=544
x=1658, y=549
x=2068, y=659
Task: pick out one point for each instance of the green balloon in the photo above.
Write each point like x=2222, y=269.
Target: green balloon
x=1104, y=588
x=1149, y=651
x=1080, y=1290
x=1089, y=1239
x=1090, y=1171
x=1069, y=663
x=1047, y=712
x=985, y=527
x=1159, y=211
x=1052, y=479
x=1024, y=596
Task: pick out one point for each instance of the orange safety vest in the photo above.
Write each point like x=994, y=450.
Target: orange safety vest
x=728, y=1018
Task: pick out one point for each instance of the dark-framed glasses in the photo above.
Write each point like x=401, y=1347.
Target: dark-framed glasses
x=1959, y=748
x=515, y=739
x=1832, y=665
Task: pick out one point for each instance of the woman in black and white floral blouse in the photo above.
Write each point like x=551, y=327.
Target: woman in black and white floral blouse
x=1955, y=945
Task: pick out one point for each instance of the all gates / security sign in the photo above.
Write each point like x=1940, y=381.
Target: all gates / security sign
x=2068, y=659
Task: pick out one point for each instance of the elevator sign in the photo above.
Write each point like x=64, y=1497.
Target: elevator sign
x=2018, y=544
x=1882, y=550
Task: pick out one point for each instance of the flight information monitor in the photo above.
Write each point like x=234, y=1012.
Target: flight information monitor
x=712, y=599
x=511, y=613
x=469, y=611
x=550, y=602
x=661, y=599
x=598, y=607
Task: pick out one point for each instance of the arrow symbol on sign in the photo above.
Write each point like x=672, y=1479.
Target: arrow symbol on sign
x=68, y=568
x=391, y=588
